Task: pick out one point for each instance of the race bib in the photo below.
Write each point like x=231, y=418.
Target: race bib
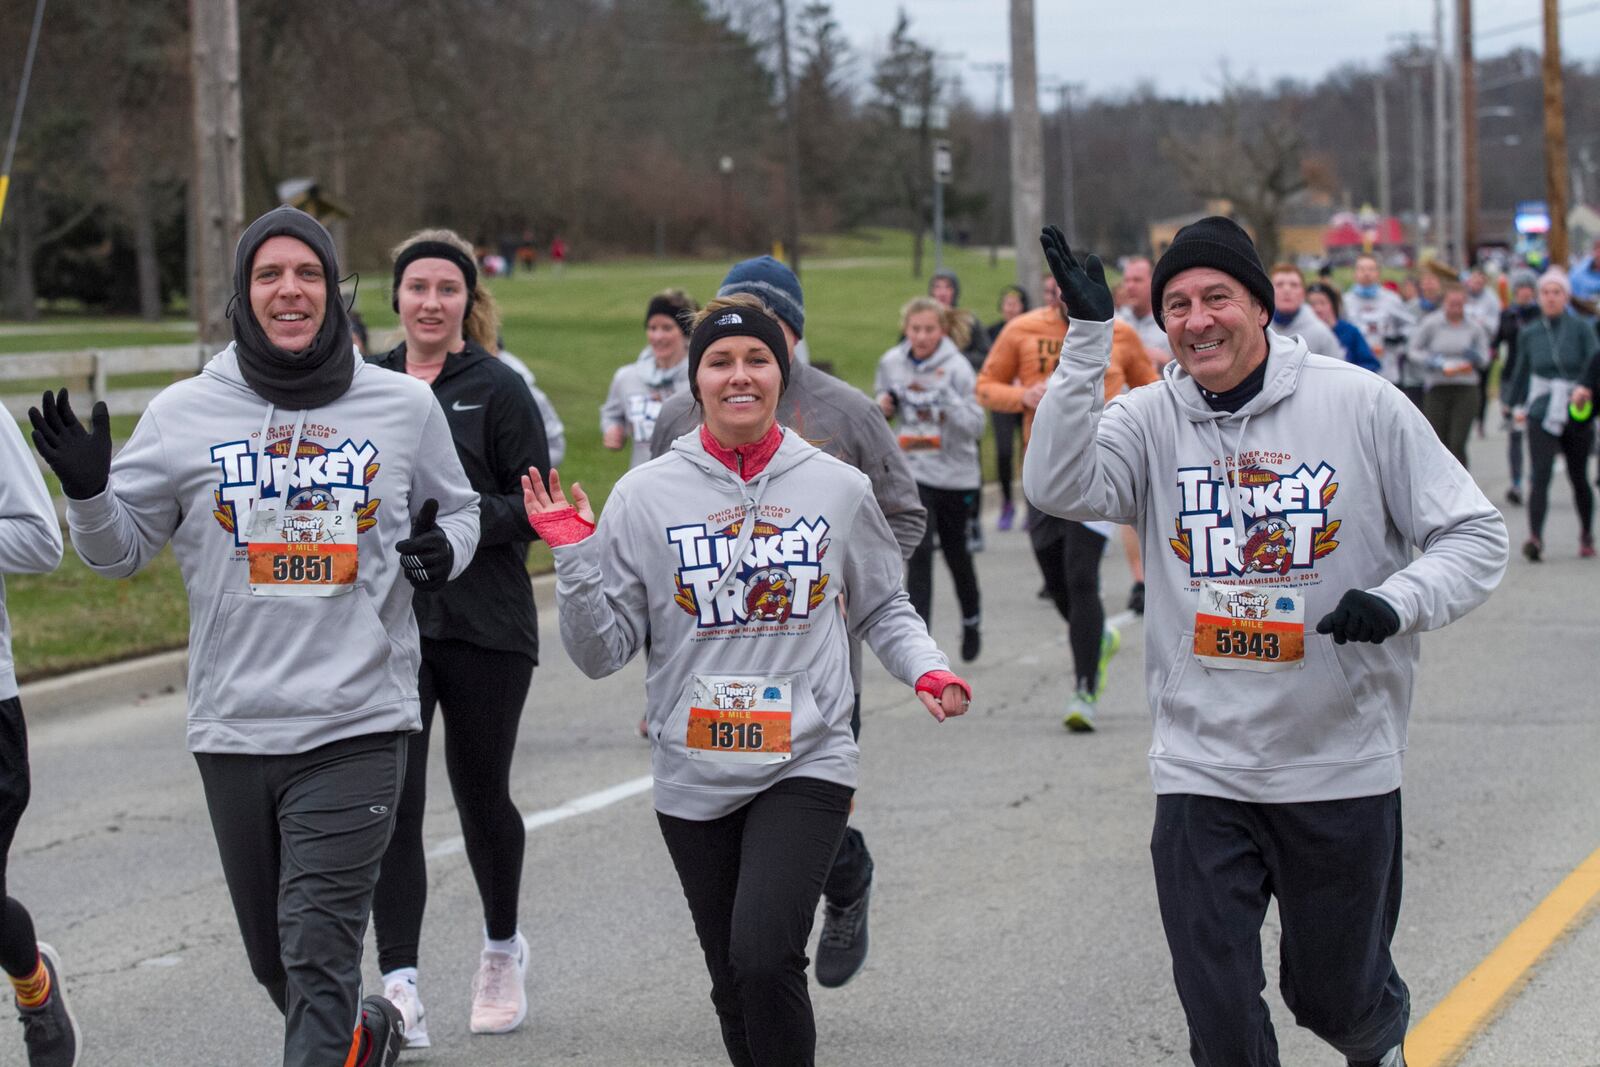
x=302, y=553
x=1249, y=629
x=920, y=442
x=740, y=718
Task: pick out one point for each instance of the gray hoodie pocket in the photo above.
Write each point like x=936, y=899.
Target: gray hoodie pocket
x=1252, y=720
x=289, y=657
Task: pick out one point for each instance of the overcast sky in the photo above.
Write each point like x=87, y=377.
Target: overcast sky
x=1180, y=45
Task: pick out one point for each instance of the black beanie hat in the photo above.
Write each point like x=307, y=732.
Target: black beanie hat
x=1218, y=243
x=674, y=307
x=738, y=321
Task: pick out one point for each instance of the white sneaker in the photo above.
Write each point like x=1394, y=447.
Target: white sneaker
x=499, y=996
x=403, y=995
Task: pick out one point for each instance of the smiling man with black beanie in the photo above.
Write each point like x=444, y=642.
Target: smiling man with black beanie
x=1297, y=512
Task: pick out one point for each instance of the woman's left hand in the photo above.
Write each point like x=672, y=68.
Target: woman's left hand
x=537, y=501
x=1582, y=396
x=953, y=701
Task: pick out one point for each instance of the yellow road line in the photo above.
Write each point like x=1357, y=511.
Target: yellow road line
x=1442, y=1038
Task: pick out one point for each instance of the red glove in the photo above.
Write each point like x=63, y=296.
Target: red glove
x=558, y=528
x=933, y=683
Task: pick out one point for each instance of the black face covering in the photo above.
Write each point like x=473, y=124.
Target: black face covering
x=297, y=380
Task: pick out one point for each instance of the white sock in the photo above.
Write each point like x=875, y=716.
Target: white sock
x=508, y=947
x=402, y=974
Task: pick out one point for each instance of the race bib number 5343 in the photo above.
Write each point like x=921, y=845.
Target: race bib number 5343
x=1245, y=628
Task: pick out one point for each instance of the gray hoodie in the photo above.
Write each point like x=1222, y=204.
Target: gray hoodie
x=30, y=536
x=1340, y=479
x=656, y=568
x=1313, y=331
x=638, y=390
x=274, y=675
x=937, y=415
x=1438, y=344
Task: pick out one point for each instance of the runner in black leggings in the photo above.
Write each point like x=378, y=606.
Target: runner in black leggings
x=1007, y=424
x=926, y=385
x=480, y=640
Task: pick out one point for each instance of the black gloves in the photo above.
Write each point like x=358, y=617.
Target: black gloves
x=1360, y=616
x=426, y=555
x=1083, y=288
x=81, y=458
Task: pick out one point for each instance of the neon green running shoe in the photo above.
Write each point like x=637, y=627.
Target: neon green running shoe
x=1080, y=713
x=1110, y=641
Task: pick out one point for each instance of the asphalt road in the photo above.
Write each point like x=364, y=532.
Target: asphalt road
x=1014, y=918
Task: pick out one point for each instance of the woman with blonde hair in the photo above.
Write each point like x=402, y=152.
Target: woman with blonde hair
x=926, y=386
x=480, y=639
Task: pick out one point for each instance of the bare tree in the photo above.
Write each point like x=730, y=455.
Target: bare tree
x=1251, y=157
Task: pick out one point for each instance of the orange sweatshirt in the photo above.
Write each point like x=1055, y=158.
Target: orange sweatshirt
x=1027, y=350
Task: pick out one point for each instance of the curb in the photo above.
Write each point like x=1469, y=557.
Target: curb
x=134, y=680
x=138, y=680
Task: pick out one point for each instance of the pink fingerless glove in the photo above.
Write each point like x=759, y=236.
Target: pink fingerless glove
x=564, y=527
x=934, y=682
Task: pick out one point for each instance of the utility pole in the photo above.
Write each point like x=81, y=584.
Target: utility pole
x=1419, y=135
x=1441, y=164
x=1027, y=153
x=1069, y=212
x=218, y=167
x=791, y=209
x=999, y=71
x=1467, y=142
x=1555, y=135
x=1382, y=113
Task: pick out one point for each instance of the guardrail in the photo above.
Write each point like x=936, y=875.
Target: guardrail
x=88, y=372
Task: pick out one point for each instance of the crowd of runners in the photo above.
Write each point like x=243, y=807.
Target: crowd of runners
x=773, y=521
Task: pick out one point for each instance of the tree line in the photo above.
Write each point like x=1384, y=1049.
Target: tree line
x=631, y=126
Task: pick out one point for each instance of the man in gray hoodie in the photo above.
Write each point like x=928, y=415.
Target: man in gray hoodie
x=1280, y=496
x=287, y=477
x=846, y=424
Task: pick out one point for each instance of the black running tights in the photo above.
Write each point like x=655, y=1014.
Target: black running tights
x=1007, y=428
x=18, y=953
x=1573, y=444
x=482, y=692
x=1069, y=558
x=948, y=510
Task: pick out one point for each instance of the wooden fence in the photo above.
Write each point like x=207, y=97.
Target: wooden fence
x=88, y=373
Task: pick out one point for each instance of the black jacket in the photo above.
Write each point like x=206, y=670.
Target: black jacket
x=498, y=434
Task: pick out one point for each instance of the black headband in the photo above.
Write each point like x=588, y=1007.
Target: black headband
x=738, y=322
x=672, y=309
x=436, y=250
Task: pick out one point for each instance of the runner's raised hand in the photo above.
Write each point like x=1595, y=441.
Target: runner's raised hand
x=1083, y=286
x=80, y=457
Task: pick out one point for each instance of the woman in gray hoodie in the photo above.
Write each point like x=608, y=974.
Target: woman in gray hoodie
x=734, y=555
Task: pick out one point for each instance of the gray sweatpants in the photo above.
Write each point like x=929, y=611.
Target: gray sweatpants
x=300, y=838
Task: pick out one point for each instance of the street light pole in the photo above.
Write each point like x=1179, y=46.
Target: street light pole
x=1467, y=109
x=1441, y=166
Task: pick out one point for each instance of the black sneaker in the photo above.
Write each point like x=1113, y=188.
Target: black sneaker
x=49, y=1032
x=1533, y=550
x=971, y=641
x=1514, y=496
x=1136, y=598
x=385, y=1030
x=842, y=949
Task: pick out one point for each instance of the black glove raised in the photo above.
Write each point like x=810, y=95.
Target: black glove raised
x=1083, y=287
x=81, y=458
x=1360, y=616
x=426, y=555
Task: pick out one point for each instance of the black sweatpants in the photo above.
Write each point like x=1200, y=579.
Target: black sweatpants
x=1334, y=867
x=300, y=838
x=1576, y=439
x=482, y=692
x=851, y=872
x=1068, y=554
x=19, y=955
x=948, y=511
x=1007, y=428
x=752, y=879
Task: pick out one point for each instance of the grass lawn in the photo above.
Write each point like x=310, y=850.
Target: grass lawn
x=572, y=329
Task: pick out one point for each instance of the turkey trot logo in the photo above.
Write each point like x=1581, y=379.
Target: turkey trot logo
x=1285, y=519
x=318, y=478
x=779, y=577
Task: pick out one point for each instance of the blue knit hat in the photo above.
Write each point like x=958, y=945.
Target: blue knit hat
x=774, y=284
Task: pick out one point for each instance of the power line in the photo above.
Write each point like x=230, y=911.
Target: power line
x=1531, y=24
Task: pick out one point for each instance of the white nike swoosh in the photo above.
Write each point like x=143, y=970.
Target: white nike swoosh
x=459, y=406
